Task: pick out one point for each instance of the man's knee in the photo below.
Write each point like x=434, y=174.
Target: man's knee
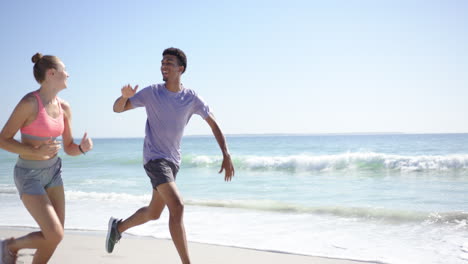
x=153, y=215
x=177, y=210
x=179, y=206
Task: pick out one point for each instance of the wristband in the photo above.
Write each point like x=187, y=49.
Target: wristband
x=79, y=147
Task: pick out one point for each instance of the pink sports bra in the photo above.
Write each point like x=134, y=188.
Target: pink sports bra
x=44, y=127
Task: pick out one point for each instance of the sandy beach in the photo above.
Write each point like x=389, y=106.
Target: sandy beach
x=88, y=247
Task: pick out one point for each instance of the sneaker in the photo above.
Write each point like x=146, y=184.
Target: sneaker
x=6, y=257
x=113, y=235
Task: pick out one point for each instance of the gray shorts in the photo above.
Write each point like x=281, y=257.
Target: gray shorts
x=161, y=171
x=35, y=176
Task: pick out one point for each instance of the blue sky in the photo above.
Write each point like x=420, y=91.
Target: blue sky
x=262, y=66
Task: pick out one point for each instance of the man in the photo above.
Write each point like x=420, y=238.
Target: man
x=169, y=107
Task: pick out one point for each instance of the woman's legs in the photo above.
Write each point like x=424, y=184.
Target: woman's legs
x=49, y=212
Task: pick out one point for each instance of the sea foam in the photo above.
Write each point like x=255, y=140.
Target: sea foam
x=345, y=161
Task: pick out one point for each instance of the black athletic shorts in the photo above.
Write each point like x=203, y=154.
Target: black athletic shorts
x=161, y=171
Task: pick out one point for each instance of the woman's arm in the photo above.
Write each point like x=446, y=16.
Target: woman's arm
x=69, y=146
x=23, y=112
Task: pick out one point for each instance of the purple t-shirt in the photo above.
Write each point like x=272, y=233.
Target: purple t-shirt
x=168, y=114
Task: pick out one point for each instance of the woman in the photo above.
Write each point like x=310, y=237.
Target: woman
x=41, y=117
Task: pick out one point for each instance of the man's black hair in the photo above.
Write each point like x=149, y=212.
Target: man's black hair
x=182, y=59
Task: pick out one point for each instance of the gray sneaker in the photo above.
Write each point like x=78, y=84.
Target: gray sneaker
x=113, y=235
x=6, y=257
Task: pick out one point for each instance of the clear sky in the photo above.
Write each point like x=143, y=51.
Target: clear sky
x=263, y=66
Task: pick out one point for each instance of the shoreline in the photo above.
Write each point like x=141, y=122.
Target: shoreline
x=89, y=246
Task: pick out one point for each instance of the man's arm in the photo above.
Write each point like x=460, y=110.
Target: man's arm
x=122, y=103
x=227, y=165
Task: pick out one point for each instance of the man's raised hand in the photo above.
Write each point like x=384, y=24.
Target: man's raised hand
x=128, y=91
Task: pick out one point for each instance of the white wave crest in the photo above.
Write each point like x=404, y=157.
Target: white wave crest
x=96, y=196
x=393, y=215
x=345, y=161
x=7, y=189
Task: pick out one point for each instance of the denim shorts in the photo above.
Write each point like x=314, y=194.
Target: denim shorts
x=35, y=176
x=161, y=171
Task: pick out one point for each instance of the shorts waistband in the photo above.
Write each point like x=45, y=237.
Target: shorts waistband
x=36, y=164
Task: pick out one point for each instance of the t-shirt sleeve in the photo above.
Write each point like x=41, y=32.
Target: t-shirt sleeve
x=200, y=107
x=139, y=99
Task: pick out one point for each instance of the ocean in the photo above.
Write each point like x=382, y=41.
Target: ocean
x=396, y=198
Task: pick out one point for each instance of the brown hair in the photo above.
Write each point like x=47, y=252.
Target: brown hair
x=42, y=64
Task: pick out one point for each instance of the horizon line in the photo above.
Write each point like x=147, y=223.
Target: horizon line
x=306, y=134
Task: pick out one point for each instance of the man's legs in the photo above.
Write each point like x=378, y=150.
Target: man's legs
x=151, y=212
x=162, y=174
x=141, y=216
x=173, y=200
x=167, y=194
